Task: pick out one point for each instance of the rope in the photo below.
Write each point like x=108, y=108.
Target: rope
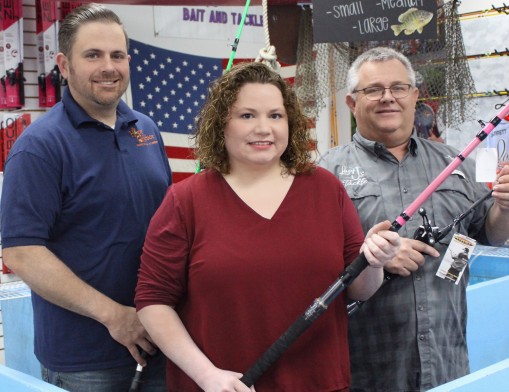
x=267, y=55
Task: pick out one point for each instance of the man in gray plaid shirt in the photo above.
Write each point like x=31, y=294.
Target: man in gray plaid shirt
x=411, y=335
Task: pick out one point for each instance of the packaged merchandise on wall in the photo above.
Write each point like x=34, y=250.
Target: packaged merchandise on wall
x=12, y=30
x=11, y=127
x=48, y=75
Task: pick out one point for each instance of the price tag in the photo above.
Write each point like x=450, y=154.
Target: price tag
x=486, y=162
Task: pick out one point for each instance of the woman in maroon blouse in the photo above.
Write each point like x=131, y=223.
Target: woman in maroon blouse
x=237, y=252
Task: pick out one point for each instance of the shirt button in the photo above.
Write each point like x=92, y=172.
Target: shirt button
x=405, y=190
x=421, y=307
x=418, y=277
x=422, y=337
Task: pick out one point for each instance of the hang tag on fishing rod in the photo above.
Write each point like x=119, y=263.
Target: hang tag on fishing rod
x=456, y=258
x=486, y=162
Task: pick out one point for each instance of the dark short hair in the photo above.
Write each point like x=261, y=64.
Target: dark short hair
x=79, y=16
x=209, y=137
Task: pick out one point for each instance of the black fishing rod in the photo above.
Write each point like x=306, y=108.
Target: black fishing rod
x=137, y=381
x=353, y=270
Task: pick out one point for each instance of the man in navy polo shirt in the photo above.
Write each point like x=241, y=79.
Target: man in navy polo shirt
x=80, y=187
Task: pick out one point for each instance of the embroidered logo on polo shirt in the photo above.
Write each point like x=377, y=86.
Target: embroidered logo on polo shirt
x=143, y=140
x=351, y=176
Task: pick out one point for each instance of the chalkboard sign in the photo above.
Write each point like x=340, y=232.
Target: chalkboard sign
x=374, y=20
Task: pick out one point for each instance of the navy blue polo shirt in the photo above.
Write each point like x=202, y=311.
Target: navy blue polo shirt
x=86, y=192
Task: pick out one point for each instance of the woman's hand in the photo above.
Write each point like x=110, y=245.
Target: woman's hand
x=219, y=380
x=381, y=245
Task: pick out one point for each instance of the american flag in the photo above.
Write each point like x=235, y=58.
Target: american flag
x=170, y=87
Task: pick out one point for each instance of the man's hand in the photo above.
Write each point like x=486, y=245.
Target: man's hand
x=410, y=257
x=126, y=328
x=501, y=188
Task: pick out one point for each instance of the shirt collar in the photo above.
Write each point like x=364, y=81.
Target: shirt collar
x=378, y=148
x=79, y=117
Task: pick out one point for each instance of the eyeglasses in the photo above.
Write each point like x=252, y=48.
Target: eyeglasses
x=376, y=93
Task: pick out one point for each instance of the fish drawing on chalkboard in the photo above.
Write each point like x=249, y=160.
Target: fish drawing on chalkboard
x=412, y=20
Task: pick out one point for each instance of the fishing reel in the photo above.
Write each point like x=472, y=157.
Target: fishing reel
x=431, y=234
x=427, y=233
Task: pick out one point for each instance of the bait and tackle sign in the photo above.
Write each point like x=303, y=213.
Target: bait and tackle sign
x=208, y=22
x=374, y=20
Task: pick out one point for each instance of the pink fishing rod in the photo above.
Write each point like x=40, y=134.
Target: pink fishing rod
x=357, y=266
x=414, y=206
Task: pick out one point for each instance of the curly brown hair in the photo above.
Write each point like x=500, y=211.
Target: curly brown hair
x=209, y=137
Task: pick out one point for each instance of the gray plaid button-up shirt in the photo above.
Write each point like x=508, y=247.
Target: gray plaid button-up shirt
x=411, y=335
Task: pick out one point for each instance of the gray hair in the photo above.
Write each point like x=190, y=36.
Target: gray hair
x=81, y=15
x=379, y=54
